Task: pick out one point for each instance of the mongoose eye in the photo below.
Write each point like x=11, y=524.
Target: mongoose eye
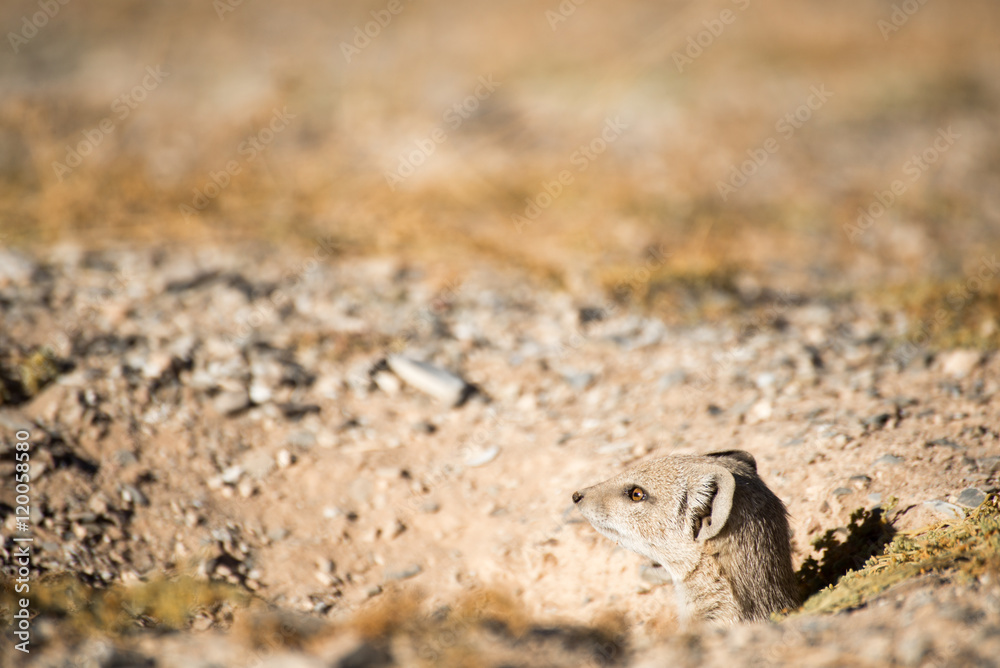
x=637, y=494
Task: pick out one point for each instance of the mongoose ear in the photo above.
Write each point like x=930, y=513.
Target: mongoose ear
x=738, y=455
x=714, y=493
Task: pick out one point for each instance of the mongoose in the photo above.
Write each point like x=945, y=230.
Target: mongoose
x=711, y=522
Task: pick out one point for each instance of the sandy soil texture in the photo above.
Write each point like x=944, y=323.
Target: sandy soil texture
x=314, y=314
x=223, y=414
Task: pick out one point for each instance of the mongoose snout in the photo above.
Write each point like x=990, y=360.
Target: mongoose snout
x=711, y=522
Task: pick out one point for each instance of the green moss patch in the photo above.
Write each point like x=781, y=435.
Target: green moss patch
x=963, y=550
x=164, y=603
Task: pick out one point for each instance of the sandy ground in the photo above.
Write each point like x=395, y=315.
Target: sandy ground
x=786, y=245
x=214, y=413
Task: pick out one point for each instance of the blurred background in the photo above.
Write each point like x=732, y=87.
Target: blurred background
x=761, y=149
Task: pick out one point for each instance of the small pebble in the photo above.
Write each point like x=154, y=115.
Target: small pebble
x=246, y=488
x=760, y=412
x=429, y=507
x=257, y=464
x=231, y=402
x=260, y=393
x=302, y=438
x=131, y=494
x=590, y=314
x=960, y=363
x=971, y=497
x=277, y=534
x=405, y=573
x=579, y=380
x=672, y=379
x=156, y=365
x=125, y=458
x=876, y=422
x=949, y=510
x=388, y=383
x=482, y=456
x=440, y=384
x=943, y=442
x=232, y=474
x=859, y=481
x=424, y=427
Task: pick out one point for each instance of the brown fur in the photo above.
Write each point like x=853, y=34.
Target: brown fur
x=712, y=523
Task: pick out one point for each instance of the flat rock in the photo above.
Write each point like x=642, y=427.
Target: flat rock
x=949, y=510
x=971, y=497
x=404, y=573
x=435, y=381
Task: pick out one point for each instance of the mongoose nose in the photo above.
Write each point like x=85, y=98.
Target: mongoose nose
x=576, y=497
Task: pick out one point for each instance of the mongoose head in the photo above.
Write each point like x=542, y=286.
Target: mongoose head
x=710, y=521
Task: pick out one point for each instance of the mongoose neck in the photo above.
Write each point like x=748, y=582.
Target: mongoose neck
x=707, y=592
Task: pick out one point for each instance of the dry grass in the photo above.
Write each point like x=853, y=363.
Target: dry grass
x=163, y=603
x=657, y=183
x=948, y=313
